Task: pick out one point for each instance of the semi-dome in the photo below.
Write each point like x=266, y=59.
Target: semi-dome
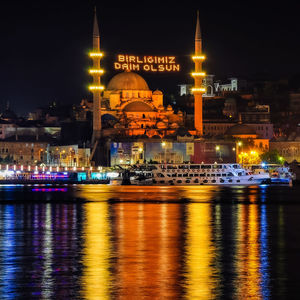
x=137, y=106
x=127, y=81
x=240, y=129
x=157, y=92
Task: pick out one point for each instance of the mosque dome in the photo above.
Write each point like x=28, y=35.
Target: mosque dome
x=240, y=129
x=127, y=81
x=137, y=106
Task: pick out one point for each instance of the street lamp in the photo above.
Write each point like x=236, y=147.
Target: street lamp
x=140, y=154
x=238, y=145
x=163, y=144
x=218, y=149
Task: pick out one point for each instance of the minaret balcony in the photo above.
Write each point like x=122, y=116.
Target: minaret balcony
x=198, y=74
x=198, y=90
x=198, y=57
x=96, y=87
x=96, y=71
x=96, y=54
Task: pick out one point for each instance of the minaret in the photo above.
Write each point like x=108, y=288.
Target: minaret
x=198, y=75
x=96, y=88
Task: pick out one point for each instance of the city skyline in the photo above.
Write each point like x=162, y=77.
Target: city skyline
x=46, y=57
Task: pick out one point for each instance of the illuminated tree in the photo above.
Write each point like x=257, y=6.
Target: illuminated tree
x=251, y=157
x=272, y=157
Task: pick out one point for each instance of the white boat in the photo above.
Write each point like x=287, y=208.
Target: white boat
x=196, y=174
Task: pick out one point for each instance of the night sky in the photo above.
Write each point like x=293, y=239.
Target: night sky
x=44, y=44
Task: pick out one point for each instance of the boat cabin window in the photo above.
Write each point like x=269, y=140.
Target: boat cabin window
x=205, y=166
x=160, y=175
x=218, y=175
x=217, y=166
x=193, y=167
x=171, y=167
x=202, y=175
x=196, y=175
x=179, y=175
x=229, y=174
x=183, y=167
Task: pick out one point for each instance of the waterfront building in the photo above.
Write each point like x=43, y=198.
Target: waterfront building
x=295, y=102
x=170, y=151
x=28, y=128
x=24, y=149
x=208, y=84
x=289, y=148
x=68, y=156
x=234, y=85
x=219, y=128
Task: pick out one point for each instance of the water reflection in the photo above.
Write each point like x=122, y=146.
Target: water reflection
x=147, y=250
x=134, y=243
x=47, y=279
x=96, y=253
x=8, y=262
x=199, y=252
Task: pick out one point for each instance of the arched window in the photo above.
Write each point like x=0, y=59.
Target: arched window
x=209, y=90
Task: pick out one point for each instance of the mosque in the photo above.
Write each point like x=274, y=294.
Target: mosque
x=130, y=107
x=129, y=118
x=135, y=109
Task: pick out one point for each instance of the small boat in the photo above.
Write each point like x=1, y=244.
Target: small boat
x=278, y=174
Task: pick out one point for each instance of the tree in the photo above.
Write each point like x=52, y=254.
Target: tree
x=272, y=157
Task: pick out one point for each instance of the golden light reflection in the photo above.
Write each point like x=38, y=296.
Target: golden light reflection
x=248, y=253
x=200, y=281
x=147, y=250
x=96, y=274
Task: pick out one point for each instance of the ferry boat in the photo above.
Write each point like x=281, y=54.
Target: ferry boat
x=196, y=174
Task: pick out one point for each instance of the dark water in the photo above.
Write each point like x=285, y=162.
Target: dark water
x=116, y=242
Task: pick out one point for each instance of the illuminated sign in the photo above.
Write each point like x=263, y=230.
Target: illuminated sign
x=146, y=63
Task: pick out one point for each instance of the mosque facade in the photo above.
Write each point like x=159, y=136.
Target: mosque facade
x=134, y=110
